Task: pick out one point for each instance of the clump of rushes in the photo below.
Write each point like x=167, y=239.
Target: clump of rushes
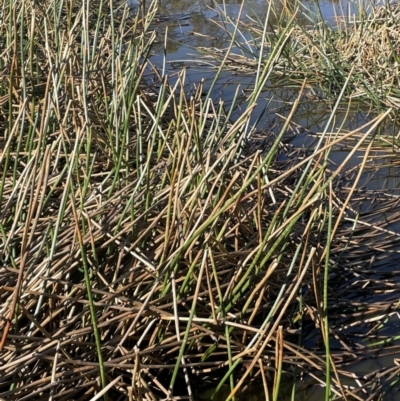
x=149, y=243
x=365, y=45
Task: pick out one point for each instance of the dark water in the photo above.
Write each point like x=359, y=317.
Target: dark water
x=190, y=25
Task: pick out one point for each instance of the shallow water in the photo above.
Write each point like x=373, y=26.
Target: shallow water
x=193, y=24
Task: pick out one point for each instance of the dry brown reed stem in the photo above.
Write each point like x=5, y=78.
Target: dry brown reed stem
x=107, y=296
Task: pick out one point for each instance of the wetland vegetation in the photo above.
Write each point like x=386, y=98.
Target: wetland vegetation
x=158, y=242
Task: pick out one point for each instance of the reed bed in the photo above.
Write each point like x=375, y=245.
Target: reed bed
x=150, y=244
x=364, y=45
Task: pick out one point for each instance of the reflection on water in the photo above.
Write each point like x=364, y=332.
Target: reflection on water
x=193, y=24
x=196, y=24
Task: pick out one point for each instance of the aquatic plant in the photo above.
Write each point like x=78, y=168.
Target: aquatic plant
x=150, y=243
x=363, y=48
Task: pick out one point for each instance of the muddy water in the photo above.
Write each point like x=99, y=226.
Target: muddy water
x=195, y=24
